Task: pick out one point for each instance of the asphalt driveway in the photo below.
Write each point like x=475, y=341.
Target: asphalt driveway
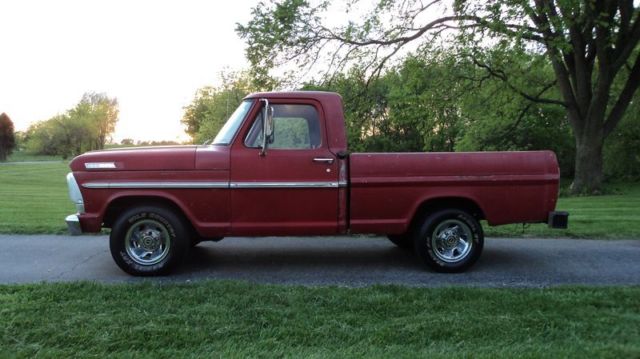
x=342, y=261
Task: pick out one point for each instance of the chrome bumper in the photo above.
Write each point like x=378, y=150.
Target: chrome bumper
x=73, y=225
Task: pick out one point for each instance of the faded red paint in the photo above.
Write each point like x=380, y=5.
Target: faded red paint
x=382, y=191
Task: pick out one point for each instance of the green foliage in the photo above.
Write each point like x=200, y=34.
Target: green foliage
x=126, y=142
x=212, y=106
x=274, y=27
x=424, y=97
x=442, y=101
x=7, y=137
x=290, y=132
x=85, y=127
x=588, y=49
x=622, y=148
x=593, y=49
x=439, y=101
x=236, y=319
x=365, y=110
x=98, y=114
x=500, y=119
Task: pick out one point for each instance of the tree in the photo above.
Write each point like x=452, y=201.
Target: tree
x=622, y=156
x=591, y=46
x=438, y=101
x=85, y=127
x=7, y=137
x=100, y=114
x=212, y=106
x=593, y=49
x=127, y=142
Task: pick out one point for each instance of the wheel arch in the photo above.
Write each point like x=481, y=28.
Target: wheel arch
x=432, y=205
x=121, y=203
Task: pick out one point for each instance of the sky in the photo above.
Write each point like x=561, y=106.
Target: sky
x=151, y=55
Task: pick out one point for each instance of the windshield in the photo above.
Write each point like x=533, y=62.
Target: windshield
x=230, y=128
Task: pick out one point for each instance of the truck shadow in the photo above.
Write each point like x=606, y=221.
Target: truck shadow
x=263, y=257
x=275, y=258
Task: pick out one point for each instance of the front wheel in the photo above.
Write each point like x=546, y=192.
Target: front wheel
x=449, y=241
x=148, y=240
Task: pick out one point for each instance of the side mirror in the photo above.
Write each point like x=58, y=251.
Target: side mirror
x=267, y=126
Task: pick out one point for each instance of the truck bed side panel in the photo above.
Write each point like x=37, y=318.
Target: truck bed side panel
x=509, y=187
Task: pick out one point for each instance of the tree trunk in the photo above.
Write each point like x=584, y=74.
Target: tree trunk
x=588, y=170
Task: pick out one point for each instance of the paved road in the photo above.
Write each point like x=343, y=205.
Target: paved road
x=339, y=261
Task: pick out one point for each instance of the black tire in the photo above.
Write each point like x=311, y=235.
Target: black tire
x=449, y=241
x=403, y=241
x=149, y=240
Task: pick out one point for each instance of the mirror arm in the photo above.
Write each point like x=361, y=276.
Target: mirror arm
x=265, y=113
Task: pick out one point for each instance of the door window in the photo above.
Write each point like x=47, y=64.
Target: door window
x=294, y=127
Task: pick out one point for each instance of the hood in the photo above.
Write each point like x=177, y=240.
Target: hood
x=161, y=158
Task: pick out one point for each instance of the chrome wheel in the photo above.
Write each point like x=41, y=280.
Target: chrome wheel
x=452, y=240
x=147, y=242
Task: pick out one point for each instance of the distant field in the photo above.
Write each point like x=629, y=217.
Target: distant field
x=230, y=319
x=33, y=199
x=21, y=156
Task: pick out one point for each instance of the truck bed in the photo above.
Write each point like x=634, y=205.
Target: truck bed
x=505, y=187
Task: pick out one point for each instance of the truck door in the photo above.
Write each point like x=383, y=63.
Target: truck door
x=291, y=189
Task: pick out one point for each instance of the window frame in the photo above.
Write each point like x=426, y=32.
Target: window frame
x=320, y=128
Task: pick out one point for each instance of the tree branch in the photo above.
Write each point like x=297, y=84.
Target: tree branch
x=523, y=112
x=401, y=39
x=624, y=99
x=502, y=76
x=632, y=38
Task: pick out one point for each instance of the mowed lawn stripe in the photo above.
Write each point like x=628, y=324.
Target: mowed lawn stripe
x=208, y=319
x=600, y=217
x=33, y=198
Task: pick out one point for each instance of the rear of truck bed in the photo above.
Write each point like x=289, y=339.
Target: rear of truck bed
x=388, y=189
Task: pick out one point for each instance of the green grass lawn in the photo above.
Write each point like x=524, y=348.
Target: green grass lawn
x=231, y=319
x=22, y=156
x=33, y=199
x=615, y=215
x=211, y=319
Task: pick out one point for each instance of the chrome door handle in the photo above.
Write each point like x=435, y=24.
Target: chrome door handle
x=326, y=160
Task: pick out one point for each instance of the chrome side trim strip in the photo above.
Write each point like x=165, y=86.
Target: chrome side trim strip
x=240, y=185
x=187, y=185
x=204, y=185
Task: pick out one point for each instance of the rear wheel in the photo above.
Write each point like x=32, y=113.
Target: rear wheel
x=149, y=240
x=449, y=241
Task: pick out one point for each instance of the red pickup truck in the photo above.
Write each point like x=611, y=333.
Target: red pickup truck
x=280, y=166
